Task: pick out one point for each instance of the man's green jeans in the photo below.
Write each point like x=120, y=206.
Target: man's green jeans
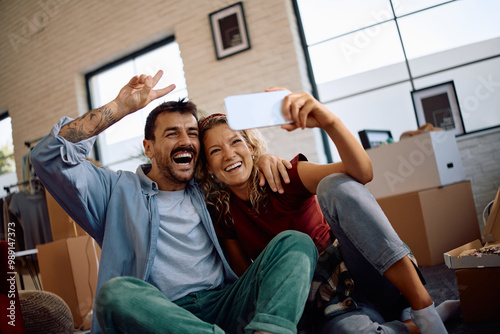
x=270, y=296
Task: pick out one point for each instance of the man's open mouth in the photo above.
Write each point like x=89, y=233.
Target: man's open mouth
x=183, y=158
x=233, y=166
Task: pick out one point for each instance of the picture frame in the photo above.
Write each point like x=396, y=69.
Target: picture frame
x=229, y=31
x=438, y=105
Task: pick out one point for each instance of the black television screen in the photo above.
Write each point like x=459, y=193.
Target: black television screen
x=374, y=138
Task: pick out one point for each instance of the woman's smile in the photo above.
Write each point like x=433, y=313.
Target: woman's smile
x=232, y=167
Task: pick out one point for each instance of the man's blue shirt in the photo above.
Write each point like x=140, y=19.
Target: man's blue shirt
x=117, y=209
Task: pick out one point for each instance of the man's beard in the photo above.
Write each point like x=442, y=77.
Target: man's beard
x=170, y=171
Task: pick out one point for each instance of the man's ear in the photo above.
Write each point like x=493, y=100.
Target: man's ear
x=148, y=148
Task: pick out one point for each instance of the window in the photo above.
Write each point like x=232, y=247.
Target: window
x=367, y=56
x=120, y=146
x=7, y=163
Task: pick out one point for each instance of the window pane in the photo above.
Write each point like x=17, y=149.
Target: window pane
x=106, y=87
x=359, y=64
x=7, y=163
x=451, y=26
x=168, y=59
x=402, y=7
x=389, y=108
x=358, y=52
x=363, y=82
x=8, y=174
x=324, y=19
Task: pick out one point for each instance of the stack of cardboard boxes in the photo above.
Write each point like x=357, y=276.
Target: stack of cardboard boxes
x=478, y=276
x=420, y=185
x=69, y=264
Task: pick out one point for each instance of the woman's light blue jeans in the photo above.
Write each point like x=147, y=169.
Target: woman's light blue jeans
x=270, y=296
x=369, y=246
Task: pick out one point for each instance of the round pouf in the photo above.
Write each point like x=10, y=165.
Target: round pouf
x=45, y=313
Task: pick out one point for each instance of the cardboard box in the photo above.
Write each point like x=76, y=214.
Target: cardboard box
x=68, y=268
x=60, y=222
x=425, y=161
x=491, y=234
x=433, y=221
x=454, y=261
x=479, y=288
x=479, y=291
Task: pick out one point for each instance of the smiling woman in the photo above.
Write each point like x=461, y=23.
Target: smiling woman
x=230, y=158
x=248, y=145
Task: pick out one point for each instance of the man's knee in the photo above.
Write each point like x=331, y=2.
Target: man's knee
x=295, y=239
x=292, y=243
x=110, y=296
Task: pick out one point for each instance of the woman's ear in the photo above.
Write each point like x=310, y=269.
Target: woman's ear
x=250, y=148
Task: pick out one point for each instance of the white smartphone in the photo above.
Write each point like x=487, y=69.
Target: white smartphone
x=257, y=110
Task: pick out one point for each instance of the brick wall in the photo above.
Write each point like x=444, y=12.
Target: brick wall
x=480, y=155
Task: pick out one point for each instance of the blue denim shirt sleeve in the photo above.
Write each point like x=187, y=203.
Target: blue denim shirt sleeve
x=81, y=188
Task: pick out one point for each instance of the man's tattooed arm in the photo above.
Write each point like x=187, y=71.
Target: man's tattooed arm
x=89, y=125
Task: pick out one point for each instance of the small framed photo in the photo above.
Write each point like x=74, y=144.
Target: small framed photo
x=229, y=31
x=438, y=105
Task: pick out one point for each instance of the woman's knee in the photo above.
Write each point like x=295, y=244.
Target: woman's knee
x=335, y=183
x=338, y=188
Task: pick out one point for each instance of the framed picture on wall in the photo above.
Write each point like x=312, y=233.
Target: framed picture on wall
x=438, y=105
x=229, y=31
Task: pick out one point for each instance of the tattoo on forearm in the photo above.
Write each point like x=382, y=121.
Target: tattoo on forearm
x=88, y=125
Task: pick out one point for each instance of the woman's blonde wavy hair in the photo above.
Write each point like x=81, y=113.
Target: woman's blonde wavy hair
x=216, y=193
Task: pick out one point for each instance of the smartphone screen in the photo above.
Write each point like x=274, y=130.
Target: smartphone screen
x=257, y=110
